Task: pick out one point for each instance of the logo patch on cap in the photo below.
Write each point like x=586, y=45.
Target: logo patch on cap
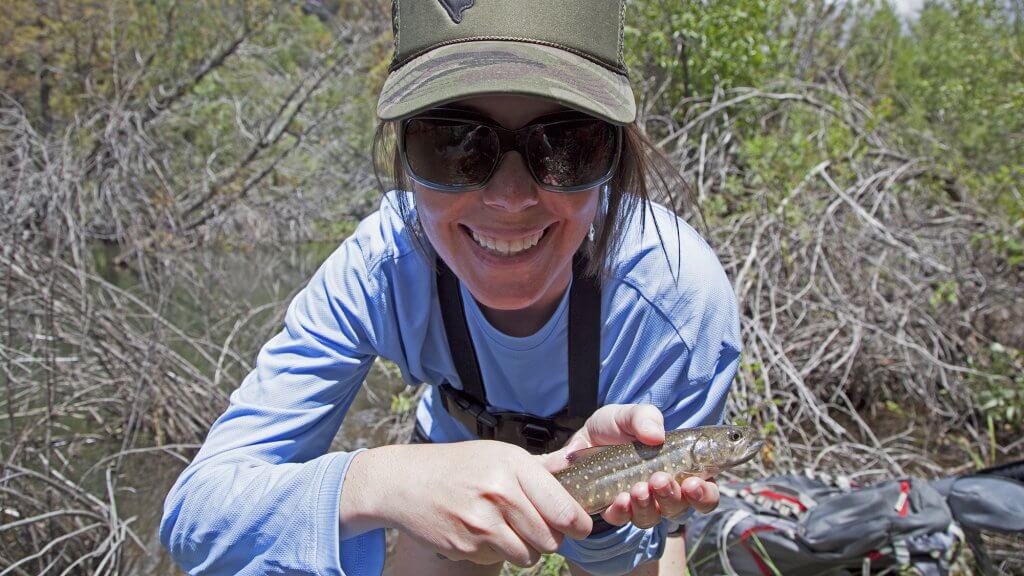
x=455, y=8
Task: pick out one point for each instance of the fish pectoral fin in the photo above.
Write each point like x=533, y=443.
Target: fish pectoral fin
x=574, y=456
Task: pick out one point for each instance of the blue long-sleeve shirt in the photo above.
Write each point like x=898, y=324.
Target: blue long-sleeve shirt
x=262, y=495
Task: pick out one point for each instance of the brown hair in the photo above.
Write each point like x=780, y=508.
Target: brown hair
x=644, y=174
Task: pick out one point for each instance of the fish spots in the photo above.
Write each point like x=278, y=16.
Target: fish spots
x=597, y=476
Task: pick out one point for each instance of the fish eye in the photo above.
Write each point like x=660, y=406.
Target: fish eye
x=734, y=436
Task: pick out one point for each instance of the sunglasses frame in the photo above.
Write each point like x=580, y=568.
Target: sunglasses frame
x=508, y=140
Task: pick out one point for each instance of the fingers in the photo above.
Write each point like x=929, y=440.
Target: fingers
x=618, y=423
x=527, y=522
x=646, y=423
x=556, y=507
x=509, y=546
x=487, y=554
x=611, y=424
x=620, y=510
x=669, y=495
x=491, y=540
x=556, y=461
x=648, y=502
x=702, y=495
x=643, y=506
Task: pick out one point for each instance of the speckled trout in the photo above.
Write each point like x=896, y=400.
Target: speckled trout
x=596, y=475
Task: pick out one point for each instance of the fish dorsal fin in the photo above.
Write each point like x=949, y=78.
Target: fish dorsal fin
x=578, y=454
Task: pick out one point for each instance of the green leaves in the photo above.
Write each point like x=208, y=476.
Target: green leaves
x=703, y=44
x=1000, y=396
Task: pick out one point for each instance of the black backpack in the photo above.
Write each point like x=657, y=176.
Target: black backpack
x=822, y=525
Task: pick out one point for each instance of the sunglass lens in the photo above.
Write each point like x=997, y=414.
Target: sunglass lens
x=450, y=152
x=574, y=153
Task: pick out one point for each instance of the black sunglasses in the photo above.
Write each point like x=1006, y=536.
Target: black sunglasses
x=454, y=150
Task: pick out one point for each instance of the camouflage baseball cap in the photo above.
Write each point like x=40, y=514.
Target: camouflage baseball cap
x=567, y=50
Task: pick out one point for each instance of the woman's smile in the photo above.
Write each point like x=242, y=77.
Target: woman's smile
x=512, y=255
x=512, y=242
x=509, y=246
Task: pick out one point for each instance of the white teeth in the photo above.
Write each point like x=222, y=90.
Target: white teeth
x=507, y=247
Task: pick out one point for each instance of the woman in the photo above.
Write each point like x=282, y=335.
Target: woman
x=527, y=279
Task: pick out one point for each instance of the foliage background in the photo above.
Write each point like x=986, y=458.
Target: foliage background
x=858, y=173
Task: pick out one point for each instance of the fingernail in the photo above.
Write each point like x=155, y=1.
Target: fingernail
x=698, y=493
x=650, y=426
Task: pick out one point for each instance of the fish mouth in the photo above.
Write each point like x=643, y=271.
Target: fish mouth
x=753, y=449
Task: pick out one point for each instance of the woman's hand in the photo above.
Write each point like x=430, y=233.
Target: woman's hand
x=481, y=501
x=647, y=502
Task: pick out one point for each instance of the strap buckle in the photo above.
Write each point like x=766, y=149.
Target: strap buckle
x=536, y=433
x=468, y=411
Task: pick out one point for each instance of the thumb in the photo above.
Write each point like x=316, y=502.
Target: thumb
x=559, y=459
x=620, y=423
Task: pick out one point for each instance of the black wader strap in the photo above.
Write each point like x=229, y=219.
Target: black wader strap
x=584, y=362
x=584, y=371
x=460, y=344
x=584, y=342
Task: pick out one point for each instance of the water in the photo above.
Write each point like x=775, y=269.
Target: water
x=215, y=288
x=147, y=477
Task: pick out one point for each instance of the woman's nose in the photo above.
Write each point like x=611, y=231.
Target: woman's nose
x=511, y=187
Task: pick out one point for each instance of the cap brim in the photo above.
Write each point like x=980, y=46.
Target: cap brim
x=482, y=67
